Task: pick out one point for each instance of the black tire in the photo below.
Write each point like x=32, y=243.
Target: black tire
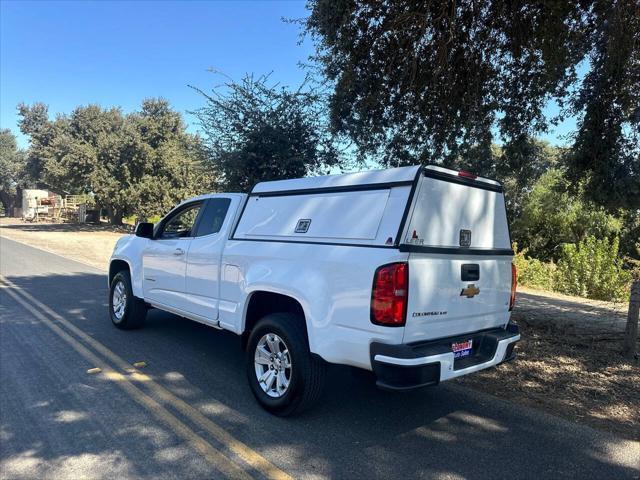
x=307, y=370
x=135, y=310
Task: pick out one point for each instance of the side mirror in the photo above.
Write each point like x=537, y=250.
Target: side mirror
x=144, y=230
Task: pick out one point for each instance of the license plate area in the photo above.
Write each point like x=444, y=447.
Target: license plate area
x=462, y=349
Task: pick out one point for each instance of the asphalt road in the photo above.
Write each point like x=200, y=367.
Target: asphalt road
x=189, y=413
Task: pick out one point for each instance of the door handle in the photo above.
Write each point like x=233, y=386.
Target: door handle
x=178, y=252
x=470, y=272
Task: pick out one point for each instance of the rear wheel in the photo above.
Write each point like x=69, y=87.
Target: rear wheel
x=126, y=311
x=284, y=376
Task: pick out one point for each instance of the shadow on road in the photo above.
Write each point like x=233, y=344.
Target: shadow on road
x=357, y=431
x=573, y=316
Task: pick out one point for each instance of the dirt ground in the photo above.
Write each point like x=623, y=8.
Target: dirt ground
x=576, y=374
x=90, y=244
x=581, y=378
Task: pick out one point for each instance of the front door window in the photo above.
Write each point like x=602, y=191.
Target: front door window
x=181, y=224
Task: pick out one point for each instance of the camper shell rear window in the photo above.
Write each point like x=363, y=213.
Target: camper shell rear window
x=457, y=213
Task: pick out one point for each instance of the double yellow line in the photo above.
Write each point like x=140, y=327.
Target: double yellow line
x=233, y=464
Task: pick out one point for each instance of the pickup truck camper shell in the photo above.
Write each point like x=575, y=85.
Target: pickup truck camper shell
x=406, y=272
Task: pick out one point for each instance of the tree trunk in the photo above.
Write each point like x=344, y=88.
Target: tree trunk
x=631, y=332
x=115, y=216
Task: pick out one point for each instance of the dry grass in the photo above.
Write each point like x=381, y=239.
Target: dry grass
x=581, y=378
x=90, y=244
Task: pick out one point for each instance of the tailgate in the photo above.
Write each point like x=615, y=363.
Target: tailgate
x=460, y=256
x=441, y=304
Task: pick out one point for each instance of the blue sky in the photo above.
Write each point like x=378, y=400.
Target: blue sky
x=117, y=53
x=73, y=53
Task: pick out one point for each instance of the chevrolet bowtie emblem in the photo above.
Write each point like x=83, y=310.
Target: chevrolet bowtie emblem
x=470, y=292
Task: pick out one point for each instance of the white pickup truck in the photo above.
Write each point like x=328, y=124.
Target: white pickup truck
x=405, y=272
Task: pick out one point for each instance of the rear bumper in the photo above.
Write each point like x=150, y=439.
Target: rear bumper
x=405, y=367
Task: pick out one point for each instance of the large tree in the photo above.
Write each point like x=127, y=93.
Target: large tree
x=34, y=123
x=141, y=163
x=256, y=131
x=12, y=170
x=606, y=152
x=436, y=81
x=175, y=164
x=519, y=165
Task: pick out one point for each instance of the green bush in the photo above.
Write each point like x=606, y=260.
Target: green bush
x=532, y=272
x=591, y=268
x=130, y=219
x=133, y=219
x=539, y=274
x=551, y=216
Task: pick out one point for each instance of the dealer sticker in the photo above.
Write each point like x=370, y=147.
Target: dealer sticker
x=462, y=349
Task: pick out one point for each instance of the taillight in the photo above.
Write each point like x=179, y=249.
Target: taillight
x=389, y=295
x=514, y=283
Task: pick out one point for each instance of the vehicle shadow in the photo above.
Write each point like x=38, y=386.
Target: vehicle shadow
x=356, y=431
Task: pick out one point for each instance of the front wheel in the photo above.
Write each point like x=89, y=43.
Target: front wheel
x=284, y=376
x=126, y=311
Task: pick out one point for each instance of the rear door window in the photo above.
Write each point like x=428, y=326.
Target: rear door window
x=213, y=216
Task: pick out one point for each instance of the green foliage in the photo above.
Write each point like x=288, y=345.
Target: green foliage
x=532, y=272
x=592, y=269
x=142, y=163
x=605, y=158
x=519, y=166
x=34, y=122
x=133, y=219
x=432, y=81
x=426, y=80
x=630, y=236
x=11, y=162
x=255, y=131
x=550, y=216
x=12, y=169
